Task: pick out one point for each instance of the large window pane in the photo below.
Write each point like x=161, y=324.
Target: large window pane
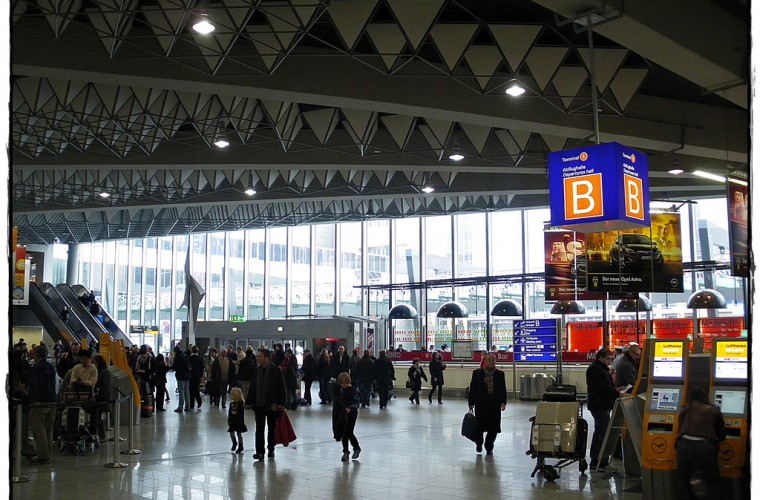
x=198, y=269
x=534, y=230
x=122, y=277
x=350, y=268
x=217, y=266
x=506, y=242
x=325, y=270
x=301, y=270
x=471, y=245
x=378, y=262
x=438, y=265
x=236, y=280
x=278, y=258
x=151, y=264
x=256, y=265
x=135, y=295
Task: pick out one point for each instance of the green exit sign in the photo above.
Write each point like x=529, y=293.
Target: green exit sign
x=237, y=319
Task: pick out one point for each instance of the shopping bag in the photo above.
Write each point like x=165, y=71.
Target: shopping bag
x=470, y=426
x=283, y=430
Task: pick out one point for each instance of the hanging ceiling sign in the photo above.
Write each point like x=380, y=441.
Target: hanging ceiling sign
x=599, y=188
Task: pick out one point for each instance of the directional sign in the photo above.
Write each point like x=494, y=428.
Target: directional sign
x=535, y=340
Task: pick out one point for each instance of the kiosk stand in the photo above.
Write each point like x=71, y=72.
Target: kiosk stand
x=729, y=391
x=666, y=394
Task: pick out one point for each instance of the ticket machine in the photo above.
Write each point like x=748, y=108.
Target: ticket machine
x=666, y=394
x=729, y=391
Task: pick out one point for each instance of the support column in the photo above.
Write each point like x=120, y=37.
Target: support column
x=72, y=264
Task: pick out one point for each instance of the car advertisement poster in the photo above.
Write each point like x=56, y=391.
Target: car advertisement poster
x=637, y=260
x=565, y=266
x=738, y=200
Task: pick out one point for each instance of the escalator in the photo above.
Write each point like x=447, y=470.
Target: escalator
x=48, y=316
x=75, y=323
x=113, y=327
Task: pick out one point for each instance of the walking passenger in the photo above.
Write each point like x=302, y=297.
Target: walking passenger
x=488, y=396
x=384, y=375
x=324, y=372
x=416, y=373
x=181, y=367
x=196, y=373
x=348, y=410
x=161, y=371
x=309, y=373
x=236, y=419
x=436, y=368
x=365, y=374
x=267, y=398
x=42, y=418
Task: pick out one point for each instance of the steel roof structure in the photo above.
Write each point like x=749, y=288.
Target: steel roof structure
x=343, y=110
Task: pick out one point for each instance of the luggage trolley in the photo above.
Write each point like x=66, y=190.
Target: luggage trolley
x=76, y=417
x=558, y=431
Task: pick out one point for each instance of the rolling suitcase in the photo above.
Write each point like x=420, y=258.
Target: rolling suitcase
x=146, y=408
x=556, y=393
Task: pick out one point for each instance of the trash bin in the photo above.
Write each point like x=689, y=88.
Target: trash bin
x=533, y=386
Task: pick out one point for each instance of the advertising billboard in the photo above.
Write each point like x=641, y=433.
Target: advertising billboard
x=637, y=260
x=599, y=188
x=738, y=221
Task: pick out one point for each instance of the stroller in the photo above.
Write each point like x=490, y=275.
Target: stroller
x=75, y=433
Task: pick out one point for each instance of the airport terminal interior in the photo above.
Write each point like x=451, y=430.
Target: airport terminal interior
x=539, y=179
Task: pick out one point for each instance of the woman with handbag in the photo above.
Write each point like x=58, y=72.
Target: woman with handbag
x=436, y=367
x=416, y=374
x=488, y=397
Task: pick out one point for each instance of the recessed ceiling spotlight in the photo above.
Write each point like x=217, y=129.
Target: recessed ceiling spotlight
x=203, y=25
x=675, y=171
x=456, y=157
x=250, y=191
x=104, y=194
x=221, y=143
x=428, y=189
x=515, y=90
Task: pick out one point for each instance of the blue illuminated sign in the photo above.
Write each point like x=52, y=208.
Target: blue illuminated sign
x=535, y=340
x=599, y=188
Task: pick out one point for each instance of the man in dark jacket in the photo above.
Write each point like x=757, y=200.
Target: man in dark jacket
x=42, y=390
x=365, y=372
x=339, y=362
x=309, y=367
x=353, y=362
x=488, y=396
x=196, y=373
x=384, y=375
x=601, y=398
x=267, y=398
x=68, y=360
x=245, y=370
x=628, y=369
x=181, y=367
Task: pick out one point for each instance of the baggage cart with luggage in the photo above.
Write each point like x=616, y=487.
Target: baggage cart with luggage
x=558, y=431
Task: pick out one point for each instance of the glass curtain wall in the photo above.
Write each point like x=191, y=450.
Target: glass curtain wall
x=247, y=272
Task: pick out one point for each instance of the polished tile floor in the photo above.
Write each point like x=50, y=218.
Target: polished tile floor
x=408, y=451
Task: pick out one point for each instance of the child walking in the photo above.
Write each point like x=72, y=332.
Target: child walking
x=348, y=409
x=236, y=419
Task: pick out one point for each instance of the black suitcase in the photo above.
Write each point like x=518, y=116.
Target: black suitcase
x=581, y=437
x=556, y=393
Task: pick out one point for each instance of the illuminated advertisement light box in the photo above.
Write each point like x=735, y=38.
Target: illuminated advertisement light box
x=599, y=188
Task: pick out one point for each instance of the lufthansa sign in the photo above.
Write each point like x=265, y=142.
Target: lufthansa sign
x=599, y=188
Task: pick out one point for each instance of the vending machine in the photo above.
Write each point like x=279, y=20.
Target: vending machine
x=729, y=391
x=666, y=394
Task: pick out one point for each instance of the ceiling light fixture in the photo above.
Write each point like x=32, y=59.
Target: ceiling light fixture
x=515, y=90
x=428, y=189
x=737, y=181
x=456, y=157
x=221, y=143
x=710, y=176
x=675, y=171
x=103, y=194
x=203, y=25
x=250, y=191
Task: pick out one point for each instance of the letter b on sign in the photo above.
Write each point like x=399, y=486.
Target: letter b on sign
x=634, y=197
x=583, y=196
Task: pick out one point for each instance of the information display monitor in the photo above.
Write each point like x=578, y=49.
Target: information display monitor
x=667, y=362
x=731, y=402
x=665, y=399
x=731, y=360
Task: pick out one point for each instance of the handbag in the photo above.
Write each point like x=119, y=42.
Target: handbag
x=283, y=430
x=470, y=426
x=408, y=384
